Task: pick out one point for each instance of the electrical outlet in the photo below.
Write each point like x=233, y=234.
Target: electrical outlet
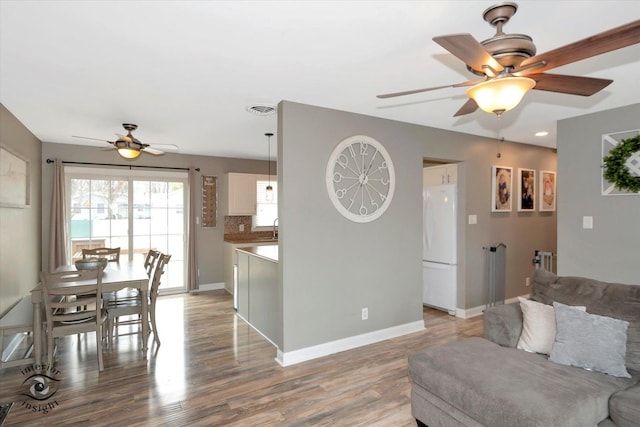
x=365, y=313
x=241, y=228
x=527, y=281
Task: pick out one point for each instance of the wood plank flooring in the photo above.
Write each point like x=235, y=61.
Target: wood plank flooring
x=214, y=370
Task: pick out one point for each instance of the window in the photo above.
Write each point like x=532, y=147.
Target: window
x=132, y=210
x=266, y=211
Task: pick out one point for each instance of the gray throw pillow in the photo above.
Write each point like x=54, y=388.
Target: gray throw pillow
x=589, y=341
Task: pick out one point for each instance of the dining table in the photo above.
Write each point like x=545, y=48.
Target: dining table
x=116, y=276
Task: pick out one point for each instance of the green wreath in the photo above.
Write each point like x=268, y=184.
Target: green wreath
x=615, y=170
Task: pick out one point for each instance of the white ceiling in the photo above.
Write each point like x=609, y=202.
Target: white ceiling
x=184, y=71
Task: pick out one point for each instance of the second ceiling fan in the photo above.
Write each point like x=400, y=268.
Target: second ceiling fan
x=509, y=66
x=130, y=147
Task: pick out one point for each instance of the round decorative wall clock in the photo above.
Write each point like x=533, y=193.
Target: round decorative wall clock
x=360, y=178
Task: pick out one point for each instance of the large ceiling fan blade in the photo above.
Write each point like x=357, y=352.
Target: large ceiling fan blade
x=411, y=92
x=166, y=147
x=469, y=107
x=573, y=85
x=92, y=139
x=616, y=38
x=470, y=51
x=152, y=151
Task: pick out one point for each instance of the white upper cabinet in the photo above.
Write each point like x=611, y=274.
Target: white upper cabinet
x=439, y=175
x=241, y=188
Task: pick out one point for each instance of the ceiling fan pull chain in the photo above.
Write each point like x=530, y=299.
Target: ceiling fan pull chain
x=500, y=139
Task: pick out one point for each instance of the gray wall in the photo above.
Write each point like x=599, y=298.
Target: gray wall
x=331, y=267
x=611, y=250
x=209, y=240
x=521, y=232
x=20, y=254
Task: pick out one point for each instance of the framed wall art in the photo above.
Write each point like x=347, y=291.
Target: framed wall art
x=209, y=201
x=14, y=179
x=547, y=191
x=526, y=190
x=501, y=188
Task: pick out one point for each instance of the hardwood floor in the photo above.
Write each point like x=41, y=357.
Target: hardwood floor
x=214, y=370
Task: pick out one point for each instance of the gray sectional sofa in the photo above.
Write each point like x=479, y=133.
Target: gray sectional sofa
x=489, y=382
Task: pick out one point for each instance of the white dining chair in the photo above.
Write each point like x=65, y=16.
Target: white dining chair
x=63, y=316
x=133, y=307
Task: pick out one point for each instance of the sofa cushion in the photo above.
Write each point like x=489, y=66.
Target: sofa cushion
x=624, y=407
x=503, y=324
x=500, y=386
x=615, y=300
x=590, y=341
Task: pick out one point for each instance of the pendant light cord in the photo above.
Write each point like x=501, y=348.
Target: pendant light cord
x=269, y=135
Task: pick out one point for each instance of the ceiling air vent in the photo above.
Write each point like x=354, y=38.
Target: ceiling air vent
x=262, y=109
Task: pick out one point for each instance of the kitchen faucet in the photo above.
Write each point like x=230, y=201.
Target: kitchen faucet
x=275, y=230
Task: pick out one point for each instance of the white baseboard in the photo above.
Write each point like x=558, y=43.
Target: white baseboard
x=210, y=287
x=304, y=354
x=470, y=312
x=477, y=311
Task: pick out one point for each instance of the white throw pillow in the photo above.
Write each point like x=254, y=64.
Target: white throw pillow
x=538, y=326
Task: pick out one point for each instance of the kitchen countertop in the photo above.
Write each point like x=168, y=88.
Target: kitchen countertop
x=267, y=252
x=248, y=238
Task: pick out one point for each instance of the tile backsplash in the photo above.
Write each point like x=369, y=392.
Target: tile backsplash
x=232, y=224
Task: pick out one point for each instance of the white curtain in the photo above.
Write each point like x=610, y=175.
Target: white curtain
x=192, y=267
x=58, y=223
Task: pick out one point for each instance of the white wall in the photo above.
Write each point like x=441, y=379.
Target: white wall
x=611, y=250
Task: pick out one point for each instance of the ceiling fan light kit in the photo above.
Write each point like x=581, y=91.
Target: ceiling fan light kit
x=125, y=152
x=502, y=94
x=511, y=67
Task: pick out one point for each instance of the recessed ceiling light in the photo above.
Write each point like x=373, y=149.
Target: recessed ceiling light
x=262, y=109
x=542, y=133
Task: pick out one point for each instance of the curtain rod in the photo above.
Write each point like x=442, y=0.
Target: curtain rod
x=121, y=166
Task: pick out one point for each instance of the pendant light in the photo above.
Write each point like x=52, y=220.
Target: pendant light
x=269, y=192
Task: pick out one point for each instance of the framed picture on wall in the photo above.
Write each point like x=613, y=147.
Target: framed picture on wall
x=547, y=191
x=501, y=188
x=14, y=179
x=526, y=190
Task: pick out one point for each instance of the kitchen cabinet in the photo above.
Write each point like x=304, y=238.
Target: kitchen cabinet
x=442, y=174
x=258, y=294
x=243, y=286
x=231, y=259
x=241, y=190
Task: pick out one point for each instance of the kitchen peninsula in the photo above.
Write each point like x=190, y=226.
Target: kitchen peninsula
x=257, y=299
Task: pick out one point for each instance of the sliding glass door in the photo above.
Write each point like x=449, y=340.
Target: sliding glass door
x=159, y=223
x=136, y=212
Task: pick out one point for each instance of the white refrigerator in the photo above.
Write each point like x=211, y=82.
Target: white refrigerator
x=439, y=255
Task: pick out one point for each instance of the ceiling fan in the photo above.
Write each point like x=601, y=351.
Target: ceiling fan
x=510, y=67
x=128, y=146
